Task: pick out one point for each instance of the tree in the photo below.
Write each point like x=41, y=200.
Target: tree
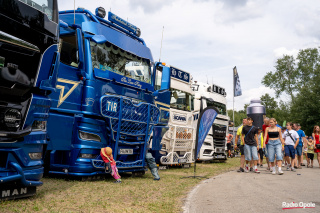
x=238, y=116
x=300, y=78
x=270, y=103
x=284, y=79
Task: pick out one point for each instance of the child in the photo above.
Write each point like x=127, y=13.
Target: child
x=261, y=150
x=310, y=152
x=106, y=154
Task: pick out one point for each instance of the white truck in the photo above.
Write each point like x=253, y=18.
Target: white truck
x=178, y=142
x=214, y=146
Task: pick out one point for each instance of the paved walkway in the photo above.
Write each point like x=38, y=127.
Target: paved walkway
x=250, y=192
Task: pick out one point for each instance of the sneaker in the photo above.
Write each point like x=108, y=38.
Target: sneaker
x=246, y=169
x=156, y=179
x=261, y=166
x=273, y=172
x=256, y=171
x=117, y=181
x=288, y=168
x=280, y=172
x=293, y=169
x=251, y=169
x=283, y=165
x=240, y=170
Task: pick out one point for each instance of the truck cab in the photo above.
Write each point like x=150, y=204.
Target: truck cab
x=29, y=61
x=214, y=146
x=101, y=99
x=177, y=140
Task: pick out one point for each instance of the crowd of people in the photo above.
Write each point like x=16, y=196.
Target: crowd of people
x=281, y=146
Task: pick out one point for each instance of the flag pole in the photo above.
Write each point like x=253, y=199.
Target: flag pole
x=233, y=106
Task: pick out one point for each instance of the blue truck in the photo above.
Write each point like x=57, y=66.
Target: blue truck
x=29, y=61
x=107, y=87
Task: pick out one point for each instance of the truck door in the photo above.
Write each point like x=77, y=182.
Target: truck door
x=66, y=101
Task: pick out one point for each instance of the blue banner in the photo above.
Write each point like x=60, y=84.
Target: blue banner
x=236, y=81
x=180, y=75
x=207, y=117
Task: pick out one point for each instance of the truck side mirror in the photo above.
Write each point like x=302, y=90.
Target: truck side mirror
x=165, y=80
x=80, y=49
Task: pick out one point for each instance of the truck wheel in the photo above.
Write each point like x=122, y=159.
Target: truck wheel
x=138, y=174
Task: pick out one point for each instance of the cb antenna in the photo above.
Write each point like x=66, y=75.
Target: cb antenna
x=161, y=43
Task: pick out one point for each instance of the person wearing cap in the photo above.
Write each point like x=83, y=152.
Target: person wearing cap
x=106, y=155
x=302, y=143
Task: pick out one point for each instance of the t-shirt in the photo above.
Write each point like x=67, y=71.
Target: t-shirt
x=264, y=127
x=249, y=138
x=301, y=134
x=260, y=139
x=310, y=148
x=239, y=132
x=288, y=140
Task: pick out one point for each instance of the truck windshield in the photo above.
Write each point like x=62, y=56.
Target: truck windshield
x=45, y=6
x=110, y=57
x=181, y=100
x=221, y=107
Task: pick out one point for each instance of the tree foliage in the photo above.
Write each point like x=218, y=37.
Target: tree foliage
x=300, y=78
x=270, y=103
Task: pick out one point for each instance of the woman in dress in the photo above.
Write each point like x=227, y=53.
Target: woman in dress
x=315, y=135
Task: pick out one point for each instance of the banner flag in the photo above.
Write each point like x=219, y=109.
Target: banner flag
x=236, y=81
x=207, y=117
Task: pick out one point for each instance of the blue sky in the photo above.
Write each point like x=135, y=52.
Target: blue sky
x=209, y=37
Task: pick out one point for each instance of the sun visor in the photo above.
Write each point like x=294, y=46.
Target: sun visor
x=118, y=39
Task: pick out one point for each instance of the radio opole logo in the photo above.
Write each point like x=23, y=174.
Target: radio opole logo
x=300, y=205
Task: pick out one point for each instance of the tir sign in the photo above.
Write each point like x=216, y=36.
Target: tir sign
x=111, y=106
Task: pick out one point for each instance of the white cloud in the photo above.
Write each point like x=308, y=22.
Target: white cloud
x=281, y=51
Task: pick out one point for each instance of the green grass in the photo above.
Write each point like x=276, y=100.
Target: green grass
x=138, y=194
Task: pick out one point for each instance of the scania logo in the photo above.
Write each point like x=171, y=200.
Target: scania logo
x=179, y=118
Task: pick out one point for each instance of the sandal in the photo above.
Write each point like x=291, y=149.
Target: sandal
x=308, y=166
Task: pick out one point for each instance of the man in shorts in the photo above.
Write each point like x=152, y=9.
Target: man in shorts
x=291, y=138
x=251, y=144
x=229, y=139
x=238, y=136
x=302, y=142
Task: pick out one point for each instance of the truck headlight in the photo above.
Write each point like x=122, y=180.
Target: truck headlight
x=39, y=126
x=35, y=155
x=12, y=118
x=89, y=136
x=83, y=155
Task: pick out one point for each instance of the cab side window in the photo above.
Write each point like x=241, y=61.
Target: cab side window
x=69, y=50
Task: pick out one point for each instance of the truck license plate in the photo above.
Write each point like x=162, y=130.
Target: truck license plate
x=182, y=161
x=126, y=151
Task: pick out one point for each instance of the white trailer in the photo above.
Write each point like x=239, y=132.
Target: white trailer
x=214, y=146
x=178, y=142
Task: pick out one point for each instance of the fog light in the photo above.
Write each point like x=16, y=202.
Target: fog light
x=89, y=136
x=39, y=126
x=35, y=155
x=12, y=118
x=206, y=151
x=83, y=155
